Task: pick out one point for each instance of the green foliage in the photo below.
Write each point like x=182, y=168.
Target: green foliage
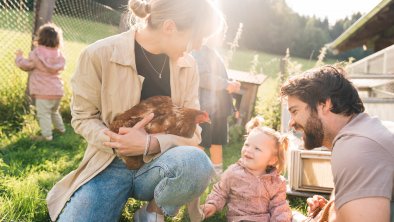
x=29, y=169
x=235, y=131
x=12, y=101
x=271, y=26
x=21, y=199
x=270, y=109
x=298, y=204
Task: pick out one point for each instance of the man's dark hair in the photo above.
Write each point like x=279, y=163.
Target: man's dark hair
x=317, y=85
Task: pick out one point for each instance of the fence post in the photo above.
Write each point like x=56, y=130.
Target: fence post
x=284, y=73
x=283, y=70
x=43, y=14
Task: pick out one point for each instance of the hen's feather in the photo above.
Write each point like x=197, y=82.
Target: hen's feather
x=168, y=119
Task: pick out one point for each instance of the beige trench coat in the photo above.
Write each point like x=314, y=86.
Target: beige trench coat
x=104, y=85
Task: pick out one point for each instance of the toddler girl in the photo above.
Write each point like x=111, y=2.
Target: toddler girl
x=45, y=85
x=253, y=188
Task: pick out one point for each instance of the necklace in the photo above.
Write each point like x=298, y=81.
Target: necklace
x=162, y=67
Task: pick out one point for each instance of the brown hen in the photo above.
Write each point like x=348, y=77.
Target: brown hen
x=168, y=119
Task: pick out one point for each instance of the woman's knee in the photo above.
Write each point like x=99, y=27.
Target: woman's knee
x=193, y=166
x=191, y=160
x=189, y=171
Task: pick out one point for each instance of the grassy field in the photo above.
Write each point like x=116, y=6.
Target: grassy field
x=28, y=169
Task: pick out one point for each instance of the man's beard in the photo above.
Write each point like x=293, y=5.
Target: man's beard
x=313, y=133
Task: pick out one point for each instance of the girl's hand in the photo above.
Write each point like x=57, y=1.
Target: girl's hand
x=18, y=53
x=130, y=141
x=315, y=202
x=233, y=86
x=208, y=210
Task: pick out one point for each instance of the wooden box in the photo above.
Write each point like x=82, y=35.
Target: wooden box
x=310, y=170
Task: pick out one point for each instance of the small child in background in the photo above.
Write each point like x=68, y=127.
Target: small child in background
x=45, y=84
x=215, y=98
x=253, y=188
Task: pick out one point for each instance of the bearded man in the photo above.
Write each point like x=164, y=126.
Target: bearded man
x=326, y=108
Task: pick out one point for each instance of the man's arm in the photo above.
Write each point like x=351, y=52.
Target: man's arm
x=371, y=209
x=363, y=183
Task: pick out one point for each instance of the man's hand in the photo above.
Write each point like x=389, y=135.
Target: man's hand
x=208, y=210
x=315, y=202
x=130, y=141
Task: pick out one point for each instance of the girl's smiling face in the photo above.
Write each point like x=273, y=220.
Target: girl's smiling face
x=258, y=152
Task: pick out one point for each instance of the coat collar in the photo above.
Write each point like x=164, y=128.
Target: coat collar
x=271, y=174
x=122, y=48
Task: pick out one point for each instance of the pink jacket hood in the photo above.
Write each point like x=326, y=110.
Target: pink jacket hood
x=44, y=65
x=51, y=58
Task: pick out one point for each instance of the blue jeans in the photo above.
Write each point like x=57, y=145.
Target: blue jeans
x=175, y=178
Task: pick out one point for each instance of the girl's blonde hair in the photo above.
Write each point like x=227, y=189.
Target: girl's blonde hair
x=281, y=145
x=202, y=16
x=49, y=35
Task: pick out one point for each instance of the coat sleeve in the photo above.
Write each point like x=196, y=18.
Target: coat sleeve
x=278, y=207
x=220, y=191
x=168, y=141
x=25, y=64
x=86, y=101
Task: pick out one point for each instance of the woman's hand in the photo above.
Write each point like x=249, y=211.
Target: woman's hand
x=208, y=210
x=315, y=202
x=130, y=141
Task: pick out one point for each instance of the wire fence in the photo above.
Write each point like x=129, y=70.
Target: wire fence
x=83, y=22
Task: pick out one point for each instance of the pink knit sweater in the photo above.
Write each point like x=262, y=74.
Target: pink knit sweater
x=44, y=65
x=251, y=198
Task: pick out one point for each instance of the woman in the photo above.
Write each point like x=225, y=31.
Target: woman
x=113, y=75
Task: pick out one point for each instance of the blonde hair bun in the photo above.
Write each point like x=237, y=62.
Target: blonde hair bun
x=256, y=121
x=139, y=8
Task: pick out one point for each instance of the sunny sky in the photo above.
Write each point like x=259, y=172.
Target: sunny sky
x=332, y=9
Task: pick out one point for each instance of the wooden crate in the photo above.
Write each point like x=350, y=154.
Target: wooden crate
x=310, y=170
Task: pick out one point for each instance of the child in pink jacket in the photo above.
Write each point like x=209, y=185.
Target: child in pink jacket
x=45, y=84
x=253, y=188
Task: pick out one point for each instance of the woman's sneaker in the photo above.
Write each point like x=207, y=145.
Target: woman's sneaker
x=61, y=131
x=142, y=215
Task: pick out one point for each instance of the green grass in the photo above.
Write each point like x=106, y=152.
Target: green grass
x=29, y=169
x=267, y=63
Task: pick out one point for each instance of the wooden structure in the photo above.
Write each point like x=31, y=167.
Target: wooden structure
x=246, y=98
x=310, y=171
x=373, y=76
x=375, y=30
